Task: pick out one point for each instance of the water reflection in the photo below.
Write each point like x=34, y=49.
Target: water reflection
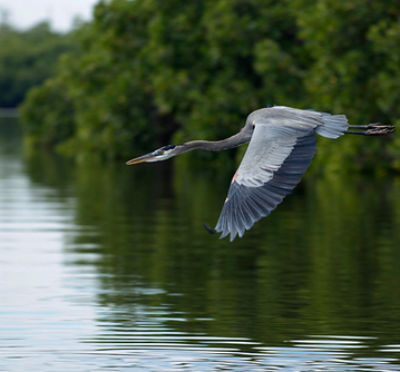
x=107, y=267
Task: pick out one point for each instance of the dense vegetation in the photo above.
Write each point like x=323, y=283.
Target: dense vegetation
x=27, y=58
x=149, y=70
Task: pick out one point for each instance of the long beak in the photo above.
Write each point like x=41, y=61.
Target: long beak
x=141, y=159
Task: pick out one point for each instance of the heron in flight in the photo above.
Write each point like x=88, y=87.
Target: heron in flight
x=281, y=145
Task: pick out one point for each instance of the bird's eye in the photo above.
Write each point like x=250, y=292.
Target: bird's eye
x=169, y=147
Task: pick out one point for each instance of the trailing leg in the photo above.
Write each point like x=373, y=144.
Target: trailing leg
x=374, y=129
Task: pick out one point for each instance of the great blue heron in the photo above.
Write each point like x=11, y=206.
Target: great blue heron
x=282, y=144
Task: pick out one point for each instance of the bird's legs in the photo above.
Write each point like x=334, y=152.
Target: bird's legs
x=374, y=129
x=209, y=229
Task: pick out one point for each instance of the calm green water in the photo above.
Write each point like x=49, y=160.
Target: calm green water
x=109, y=269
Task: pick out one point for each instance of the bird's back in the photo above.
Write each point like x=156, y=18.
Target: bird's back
x=287, y=121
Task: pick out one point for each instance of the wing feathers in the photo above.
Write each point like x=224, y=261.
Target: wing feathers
x=246, y=204
x=280, y=151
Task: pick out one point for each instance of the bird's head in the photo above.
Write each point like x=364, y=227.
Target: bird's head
x=160, y=154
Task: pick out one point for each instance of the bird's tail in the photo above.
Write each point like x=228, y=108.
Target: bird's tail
x=333, y=126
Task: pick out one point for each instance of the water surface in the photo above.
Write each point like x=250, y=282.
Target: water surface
x=107, y=268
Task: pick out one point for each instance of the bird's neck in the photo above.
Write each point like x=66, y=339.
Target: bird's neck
x=236, y=140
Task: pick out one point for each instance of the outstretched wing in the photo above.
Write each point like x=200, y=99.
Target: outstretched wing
x=273, y=165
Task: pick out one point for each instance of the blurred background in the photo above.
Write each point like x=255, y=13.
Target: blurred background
x=113, y=76
x=106, y=267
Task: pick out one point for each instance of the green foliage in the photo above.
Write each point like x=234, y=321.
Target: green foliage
x=150, y=70
x=355, y=70
x=27, y=58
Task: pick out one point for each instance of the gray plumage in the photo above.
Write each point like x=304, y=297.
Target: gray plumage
x=280, y=151
x=282, y=144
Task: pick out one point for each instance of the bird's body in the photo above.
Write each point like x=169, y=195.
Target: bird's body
x=281, y=145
